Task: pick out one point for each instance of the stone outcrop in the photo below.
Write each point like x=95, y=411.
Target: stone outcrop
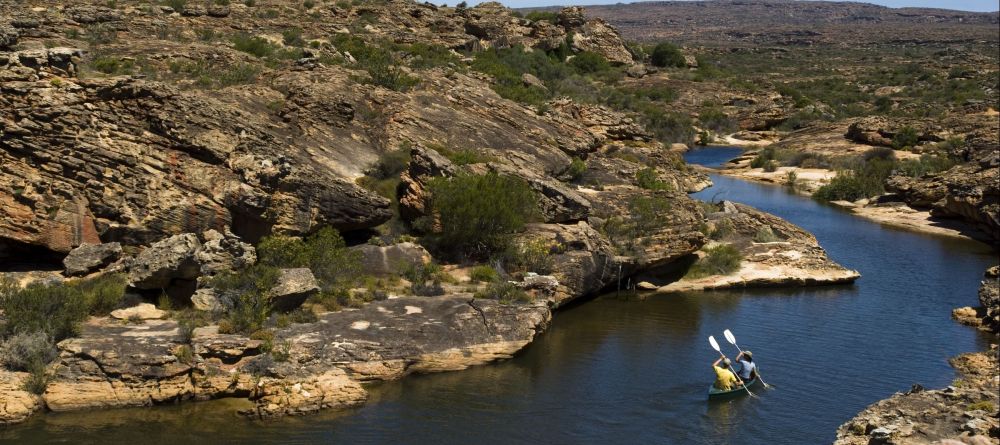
x=965, y=413
x=967, y=192
x=18, y=404
x=989, y=299
x=181, y=162
x=774, y=253
x=90, y=257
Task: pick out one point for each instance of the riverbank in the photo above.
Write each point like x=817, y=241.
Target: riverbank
x=887, y=210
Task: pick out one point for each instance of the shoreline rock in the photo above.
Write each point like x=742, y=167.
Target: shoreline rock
x=775, y=253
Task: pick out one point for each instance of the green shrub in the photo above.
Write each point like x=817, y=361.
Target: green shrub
x=717, y=120
x=648, y=179
x=907, y=137
x=477, y=214
x=792, y=180
x=101, y=34
x=505, y=292
x=324, y=252
x=483, y=274
x=419, y=275
x=645, y=217
x=112, y=65
x=56, y=310
x=384, y=72
x=464, y=156
x=178, y=5
x=865, y=180
x=247, y=290
x=548, y=16
x=102, y=294
x=529, y=256
x=38, y=380
x=983, y=405
x=256, y=46
x=292, y=36
x=722, y=229
x=771, y=166
x=589, y=63
x=26, y=350
x=576, y=169
x=184, y=354
x=667, y=55
x=927, y=164
x=722, y=259
x=765, y=234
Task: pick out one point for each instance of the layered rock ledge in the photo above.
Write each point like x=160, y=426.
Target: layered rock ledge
x=774, y=251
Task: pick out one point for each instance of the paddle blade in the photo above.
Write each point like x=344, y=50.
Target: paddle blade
x=730, y=336
x=715, y=344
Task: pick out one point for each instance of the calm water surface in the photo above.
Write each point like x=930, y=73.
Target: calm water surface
x=613, y=371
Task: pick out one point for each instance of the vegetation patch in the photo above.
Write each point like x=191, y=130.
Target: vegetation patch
x=478, y=214
x=722, y=259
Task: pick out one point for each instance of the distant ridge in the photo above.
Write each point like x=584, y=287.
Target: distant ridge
x=793, y=22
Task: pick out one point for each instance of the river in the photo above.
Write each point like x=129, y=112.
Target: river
x=637, y=371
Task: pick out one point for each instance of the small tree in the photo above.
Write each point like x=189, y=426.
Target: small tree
x=478, y=214
x=666, y=54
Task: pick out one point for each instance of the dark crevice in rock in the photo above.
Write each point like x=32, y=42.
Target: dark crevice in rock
x=472, y=304
x=20, y=257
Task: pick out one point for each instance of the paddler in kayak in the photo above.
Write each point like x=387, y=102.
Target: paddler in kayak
x=747, y=369
x=724, y=378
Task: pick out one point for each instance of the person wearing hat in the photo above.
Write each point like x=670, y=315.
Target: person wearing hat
x=724, y=377
x=747, y=370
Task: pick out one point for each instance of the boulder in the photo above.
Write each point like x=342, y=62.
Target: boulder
x=387, y=260
x=293, y=288
x=166, y=260
x=90, y=257
x=222, y=252
x=143, y=311
x=206, y=300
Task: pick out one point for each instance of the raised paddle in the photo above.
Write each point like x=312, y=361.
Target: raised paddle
x=715, y=345
x=732, y=339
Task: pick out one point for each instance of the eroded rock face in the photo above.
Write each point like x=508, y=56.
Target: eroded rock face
x=178, y=163
x=989, y=299
x=90, y=257
x=18, y=404
x=922, y=416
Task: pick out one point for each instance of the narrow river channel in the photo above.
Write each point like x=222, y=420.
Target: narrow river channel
x=615, y=371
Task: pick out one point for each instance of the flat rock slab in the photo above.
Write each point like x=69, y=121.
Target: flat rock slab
x=388, y=339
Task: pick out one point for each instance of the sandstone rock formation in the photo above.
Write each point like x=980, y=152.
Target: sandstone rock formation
x=90, y=257
x=775, y=253
x=961, y=412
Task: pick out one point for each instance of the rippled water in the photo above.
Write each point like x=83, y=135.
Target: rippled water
x=610, y=371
